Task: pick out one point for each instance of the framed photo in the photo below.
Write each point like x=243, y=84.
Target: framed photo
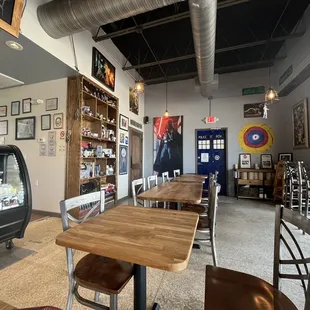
x=15, y=108
x=25, y=128
x=266, y=161
x=123, y=159
x=300, y=125
x=10, y=17
x=3, y=111
x=3, y=128
x=58, y=121
x=51, y=104
x=103, y=70
x=123, y=122
x=133, y=101
x=27, y=105
x=245, y=161
x=253, y=110
x=46, y=122
x=2, y=140
x=285, y=156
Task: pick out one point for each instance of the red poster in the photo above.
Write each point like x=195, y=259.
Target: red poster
x=168, y=144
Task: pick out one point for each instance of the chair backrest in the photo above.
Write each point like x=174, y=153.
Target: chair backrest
x=152, y=181
x=176, y=173
x=213, y=206
x=283, y=216
x=138, y=187
x=165, y=176
x=79, y=209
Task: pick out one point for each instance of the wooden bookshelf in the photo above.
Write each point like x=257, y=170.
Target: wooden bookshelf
x=84, y=92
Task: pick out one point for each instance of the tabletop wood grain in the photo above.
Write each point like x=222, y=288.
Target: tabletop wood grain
x=4, y=306
x=189, y=179
x=174, y=192
x=156, y=238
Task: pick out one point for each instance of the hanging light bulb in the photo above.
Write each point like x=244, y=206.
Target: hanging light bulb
x=139, y=88
x=271, y=94
x=166, y=114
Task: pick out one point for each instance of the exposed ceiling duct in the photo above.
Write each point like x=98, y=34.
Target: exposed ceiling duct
x=203, y=18
x=60, y=18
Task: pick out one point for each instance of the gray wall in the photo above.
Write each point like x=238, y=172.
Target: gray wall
x=184, y=100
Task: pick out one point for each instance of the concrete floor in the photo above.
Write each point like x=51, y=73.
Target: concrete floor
x=34, y=273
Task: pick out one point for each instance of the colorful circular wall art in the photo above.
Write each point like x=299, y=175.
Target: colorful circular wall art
x=256, y=138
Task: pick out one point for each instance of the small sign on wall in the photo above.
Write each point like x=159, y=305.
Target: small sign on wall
x=253, y=90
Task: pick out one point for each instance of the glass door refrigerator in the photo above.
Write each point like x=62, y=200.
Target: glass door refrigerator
x=15, y=195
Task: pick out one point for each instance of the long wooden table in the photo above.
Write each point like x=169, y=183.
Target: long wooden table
x=155, y=238
x=174, y=192
x=193, y=175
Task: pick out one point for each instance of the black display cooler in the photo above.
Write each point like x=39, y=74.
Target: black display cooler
x=15, y=195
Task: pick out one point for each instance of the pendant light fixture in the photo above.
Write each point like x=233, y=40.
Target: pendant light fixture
x=166, y=112
x=139, y=86
x=271, y=94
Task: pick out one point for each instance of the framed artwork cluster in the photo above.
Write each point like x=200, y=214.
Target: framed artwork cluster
x=300, y=125
x=246, y=163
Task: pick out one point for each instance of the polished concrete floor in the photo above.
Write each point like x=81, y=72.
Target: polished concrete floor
x=34, y=272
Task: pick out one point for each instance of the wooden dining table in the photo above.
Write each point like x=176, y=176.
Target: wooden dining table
x=178, y=192
x=146, y=237
x=188, y=179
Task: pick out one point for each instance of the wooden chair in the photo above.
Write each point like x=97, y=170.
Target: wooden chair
x=176, y=173
x=152, y=181
x=96, y=273
x=138, y=186
x=232, y=290
x=207, y=224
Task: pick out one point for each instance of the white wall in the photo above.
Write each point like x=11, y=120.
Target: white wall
x=62, y=49
x=49, y=172
x=227, y=106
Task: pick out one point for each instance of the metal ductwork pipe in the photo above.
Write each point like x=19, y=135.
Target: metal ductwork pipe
x=203, y=18
x=60, y=18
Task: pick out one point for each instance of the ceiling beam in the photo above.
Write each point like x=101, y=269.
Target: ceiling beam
x=159, y=22
x=221, y=70
x=217, y=51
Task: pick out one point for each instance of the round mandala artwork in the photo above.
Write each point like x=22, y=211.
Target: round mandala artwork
x=256, y=138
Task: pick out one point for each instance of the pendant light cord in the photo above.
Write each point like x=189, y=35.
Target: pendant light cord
x=166, y=96
x=210, y=104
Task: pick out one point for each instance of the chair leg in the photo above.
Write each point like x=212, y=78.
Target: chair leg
x=213, y=251
x=97, y=297
x=71, y=279
x=113, y=302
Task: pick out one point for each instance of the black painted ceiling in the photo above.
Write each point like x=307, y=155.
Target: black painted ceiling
x=246, y=22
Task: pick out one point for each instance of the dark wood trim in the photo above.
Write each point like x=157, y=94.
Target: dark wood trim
x=226, y=151
x=130, y=131
x=46, y=213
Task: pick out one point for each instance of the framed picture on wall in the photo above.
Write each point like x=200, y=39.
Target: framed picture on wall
x=133, y=101
x=15, y=108
x=103, y=70
x=46, y=122
x=300, y=125
x=27, y=105
x=3, y=111
x=123, y=122
x=58, y=121
x=51, y=104
x=245, y=161
x=285, y=156
x=10, y=16
x=25, y=128
x=123, y=159
x=266, y=161
x=3, y=128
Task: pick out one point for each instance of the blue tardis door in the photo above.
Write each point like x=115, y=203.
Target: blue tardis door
x=211, y=154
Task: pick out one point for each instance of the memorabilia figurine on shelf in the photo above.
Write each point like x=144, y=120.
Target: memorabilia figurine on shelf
x=113, y=121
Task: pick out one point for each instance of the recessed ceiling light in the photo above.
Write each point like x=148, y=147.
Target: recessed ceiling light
x=14, y=45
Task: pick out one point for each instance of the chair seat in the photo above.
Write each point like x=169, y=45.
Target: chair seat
x=233, y=290
x=203, y=224
x=194, y=208
x=102, y=274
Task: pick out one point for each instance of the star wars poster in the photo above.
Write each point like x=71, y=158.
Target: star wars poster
x=168, y=144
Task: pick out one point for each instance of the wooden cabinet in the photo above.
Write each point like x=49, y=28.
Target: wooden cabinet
x=92, y=122
x=254, y=183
